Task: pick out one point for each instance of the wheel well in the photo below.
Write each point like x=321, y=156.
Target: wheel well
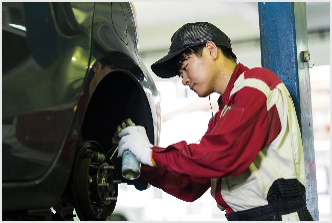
x=116, y=97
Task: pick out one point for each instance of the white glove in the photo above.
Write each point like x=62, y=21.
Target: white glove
x=134, y=138
x=119, y=128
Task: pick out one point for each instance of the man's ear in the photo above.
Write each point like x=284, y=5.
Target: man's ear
x=212, y=48
x=96, y=66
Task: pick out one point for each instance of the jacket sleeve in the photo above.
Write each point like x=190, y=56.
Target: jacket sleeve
x=185, y=188
x=233, y=143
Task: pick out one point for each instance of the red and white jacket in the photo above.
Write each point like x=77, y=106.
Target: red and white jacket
x=253, y=140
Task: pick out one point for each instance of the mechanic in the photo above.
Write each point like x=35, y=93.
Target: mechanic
x=251, y=154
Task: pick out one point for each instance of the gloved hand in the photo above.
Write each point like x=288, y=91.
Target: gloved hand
x=123, y=125
x=135, y=139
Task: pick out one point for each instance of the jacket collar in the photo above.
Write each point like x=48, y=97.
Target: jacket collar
x=239, y=69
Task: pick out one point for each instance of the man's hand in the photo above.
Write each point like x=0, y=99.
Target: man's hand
x=134, y=138
x=123, y=125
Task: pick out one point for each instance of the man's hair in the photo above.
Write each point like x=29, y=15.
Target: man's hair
x=107, y=61
x=198, y=51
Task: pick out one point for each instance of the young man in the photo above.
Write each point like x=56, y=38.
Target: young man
x=102, y=67
x=251, y=155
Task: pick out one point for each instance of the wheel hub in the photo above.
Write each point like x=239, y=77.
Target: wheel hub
x=95, y=183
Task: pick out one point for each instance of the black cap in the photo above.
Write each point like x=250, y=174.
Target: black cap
x=189, y=35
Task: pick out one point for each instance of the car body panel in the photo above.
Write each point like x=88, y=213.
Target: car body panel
x=40, y=93
x=48, y=54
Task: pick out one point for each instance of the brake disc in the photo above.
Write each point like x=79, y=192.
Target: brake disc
x=95, y=184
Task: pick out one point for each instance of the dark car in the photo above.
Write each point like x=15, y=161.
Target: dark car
x=57, y=149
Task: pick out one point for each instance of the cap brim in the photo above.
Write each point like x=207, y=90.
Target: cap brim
x=165, y=67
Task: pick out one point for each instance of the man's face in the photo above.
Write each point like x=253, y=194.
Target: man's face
x=100, y=71
x=103, y=71
x=197, y=73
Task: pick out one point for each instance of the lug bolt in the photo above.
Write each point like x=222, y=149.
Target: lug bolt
x=90, y=180
x=103, y=185
x=93, y=166
x=98, y=157
x=108, y=167
x=110, y=198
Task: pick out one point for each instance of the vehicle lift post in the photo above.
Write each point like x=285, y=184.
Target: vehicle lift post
x=284, y=50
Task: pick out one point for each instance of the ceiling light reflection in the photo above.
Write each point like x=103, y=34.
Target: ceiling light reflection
x=18, y=27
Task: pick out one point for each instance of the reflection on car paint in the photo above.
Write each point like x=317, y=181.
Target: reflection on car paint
x=49, y=52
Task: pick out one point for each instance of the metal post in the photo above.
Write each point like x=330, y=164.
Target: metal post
x=284, y=50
